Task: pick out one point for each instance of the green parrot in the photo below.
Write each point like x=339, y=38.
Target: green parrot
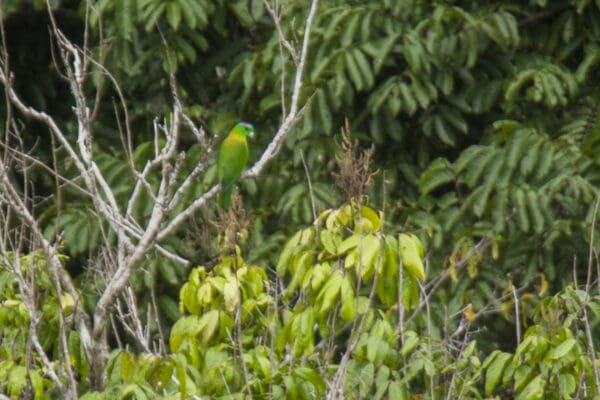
x=233, y=155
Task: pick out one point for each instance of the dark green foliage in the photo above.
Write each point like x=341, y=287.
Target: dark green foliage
x=485, y=120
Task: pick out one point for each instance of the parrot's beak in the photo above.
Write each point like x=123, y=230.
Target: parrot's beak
x=251, y=134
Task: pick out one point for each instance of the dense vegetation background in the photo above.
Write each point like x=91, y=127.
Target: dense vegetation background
x=467, y=129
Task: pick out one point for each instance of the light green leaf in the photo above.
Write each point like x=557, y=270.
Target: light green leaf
x=495, y=370
x=330, y=291
x=231, y=294
x=567, y=384
x=289, y=248
x=411, y=250
x=372, y=217
x=208, y=324
x=562, y=349
x=411, y=341
x=183, y=329
x=310, y=375
x=534, y=389
x=368, y=250
x=397, y=391
x=328, y=241
x=348, y=309
x=348, y=244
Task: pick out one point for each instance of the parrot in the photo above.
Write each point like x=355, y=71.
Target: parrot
x=233, y=155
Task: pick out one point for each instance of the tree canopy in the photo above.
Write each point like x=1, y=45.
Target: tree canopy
x=418, y=216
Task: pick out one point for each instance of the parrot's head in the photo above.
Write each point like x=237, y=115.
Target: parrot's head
x=247, y=128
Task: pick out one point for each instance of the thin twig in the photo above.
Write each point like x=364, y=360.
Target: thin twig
x=588, y=281
x=517, y=317
x=310, y=191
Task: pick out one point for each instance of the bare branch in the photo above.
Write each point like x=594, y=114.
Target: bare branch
x=276, y=16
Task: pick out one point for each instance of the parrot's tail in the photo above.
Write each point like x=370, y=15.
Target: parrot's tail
x=225, y=196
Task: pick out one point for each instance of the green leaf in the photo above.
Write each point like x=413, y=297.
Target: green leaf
x=364, y=67
x=397, y=391
x=522, y=375
x=328, y=240
x=382, y=94
x=531, y=159
x=156, y=10
x=183, y=329
x=411, y=250
x=413, y=52
x=188, y=13
x=410, y=292
x=381, y=382
x=353, y=71
x=384, y=50
x=533, y=204
x=439, y=172
x=368, y=251
x=169, y=308
x=521, y=207
x=376, y=349
x=517, y=146
x=37, y=384
x=348, y=309
x=411, y=341
x=366, y=376
x=167, y=271
x=408, y=98
x=369, y=215
x=208, y=324
x=330, y=291
x=455, y=119
x=567, y=384
x=291, y=387
x=349, y=243
x=324, y=112
x=201, y=11
x=288, y=250
x=350, y=29
x=421, y=93
x=480, y=197
x=301, y=270
x=475, y=166
x=248, y=76
x=231, y=293
x=495, y=370
x=174, y=14
x=561, y=350
x=312, y=376
x=128, y=367
x=534, y=389
x=124, y=13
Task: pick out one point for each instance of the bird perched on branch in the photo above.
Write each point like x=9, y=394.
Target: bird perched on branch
x=233, y=155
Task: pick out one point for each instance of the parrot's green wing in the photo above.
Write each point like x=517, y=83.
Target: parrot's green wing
x=232, y=159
